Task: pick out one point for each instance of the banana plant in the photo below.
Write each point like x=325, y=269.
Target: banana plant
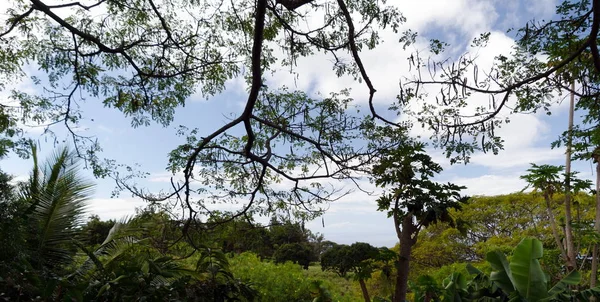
x=522, y=278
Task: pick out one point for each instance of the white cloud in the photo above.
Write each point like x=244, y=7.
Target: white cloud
x=491, y=184
x=19, y=178
x=449, y=14
x=518, y=157
x=166, y=177
x=114, y=208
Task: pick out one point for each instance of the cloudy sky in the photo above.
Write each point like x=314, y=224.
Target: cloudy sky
x=354, y=217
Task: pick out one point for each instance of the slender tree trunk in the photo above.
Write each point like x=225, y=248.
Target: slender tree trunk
x=403, y=267
x=428, y=297
x=554, y=227
x=594, y=272
x=571, y=260
x=363, y=288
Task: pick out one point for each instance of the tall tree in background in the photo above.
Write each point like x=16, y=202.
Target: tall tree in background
x=571, y=253
x=548, y=180
x=412, y=199
x=594, y=274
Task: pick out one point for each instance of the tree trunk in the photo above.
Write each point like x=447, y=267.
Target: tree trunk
x=594, y=272
x=403, y=267
x=554, y=227
x=363, y=288
x=571, y=260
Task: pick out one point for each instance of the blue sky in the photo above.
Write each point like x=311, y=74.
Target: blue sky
x=354, y=217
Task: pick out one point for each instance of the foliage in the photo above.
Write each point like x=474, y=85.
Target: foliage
x=56, y=195
x=273, y=282
x=45, y=218
x=500, y=223
x=549, y=55
x=14, y=268
x=145, y=61
x=128, y=268
x=95, y=230
x=520, y=279
x=408, y=171
x=342, y=288
x=437, y=246
x=357, y=258
x=523, y=276
x=411, y=198
x=131, y=263
x=296, y=252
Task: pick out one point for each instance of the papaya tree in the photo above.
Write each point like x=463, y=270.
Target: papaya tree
x=412, y=199
x=549, y=180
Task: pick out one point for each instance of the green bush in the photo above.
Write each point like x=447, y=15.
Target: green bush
x=289, y=282
x=283, y=282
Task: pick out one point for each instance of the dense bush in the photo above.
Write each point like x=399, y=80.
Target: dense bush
x=274, y=282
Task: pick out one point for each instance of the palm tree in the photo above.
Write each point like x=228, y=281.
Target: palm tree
x=55, y=194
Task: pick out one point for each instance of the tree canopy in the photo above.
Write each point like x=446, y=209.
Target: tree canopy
x=146, y=58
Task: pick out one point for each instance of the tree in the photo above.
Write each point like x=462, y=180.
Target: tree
x=569, y=44
x=96, y=230
x=571, y=264
x=56, y=194
x=357, y=258
x=300, y=253
x=546, y=178
x=145, y=60
x=595, y=256
x=242, y=235
x=46, y=223
x=412, y=199
x=13, y=236
x=551, y=58
x=550, y=180
x=439, y=245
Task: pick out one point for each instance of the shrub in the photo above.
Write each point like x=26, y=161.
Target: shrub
x=283, y=282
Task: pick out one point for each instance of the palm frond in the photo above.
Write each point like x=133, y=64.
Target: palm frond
x=57, y=194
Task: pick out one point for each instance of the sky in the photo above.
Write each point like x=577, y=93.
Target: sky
x=354, y=217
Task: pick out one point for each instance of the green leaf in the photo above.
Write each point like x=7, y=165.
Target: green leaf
x=527, y=274
x=573, y=278
x=473, y=270
x=57, y=194
x=501, y=274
